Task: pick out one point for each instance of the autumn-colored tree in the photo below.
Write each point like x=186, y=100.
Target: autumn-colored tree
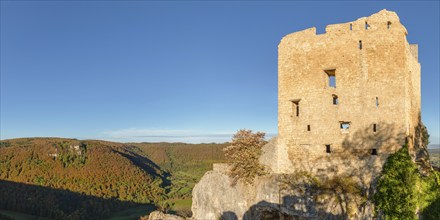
x=243, y=153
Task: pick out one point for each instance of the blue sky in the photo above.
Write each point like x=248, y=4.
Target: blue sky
x=169, y=71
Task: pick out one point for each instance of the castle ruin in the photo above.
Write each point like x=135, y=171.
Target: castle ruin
x=347, y=99
x=355, y=88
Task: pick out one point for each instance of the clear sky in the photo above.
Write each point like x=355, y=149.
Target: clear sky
x=169, y=71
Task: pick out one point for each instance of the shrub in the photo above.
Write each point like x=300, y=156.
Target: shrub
x=432, y=211
x=243, y=153
x=396, y=194
x=402, y=190
x=429, y=196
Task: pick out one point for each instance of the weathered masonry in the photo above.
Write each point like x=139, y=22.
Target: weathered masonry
x=355, y=88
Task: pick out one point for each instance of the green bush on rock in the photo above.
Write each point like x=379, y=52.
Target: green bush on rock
x=401, y=190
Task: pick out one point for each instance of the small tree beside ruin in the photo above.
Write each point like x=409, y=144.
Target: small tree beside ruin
x=244, y=153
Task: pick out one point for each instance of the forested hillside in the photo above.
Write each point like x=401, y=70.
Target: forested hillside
x=71, y=179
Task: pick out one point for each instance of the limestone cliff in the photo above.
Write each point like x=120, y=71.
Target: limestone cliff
x=275, y=196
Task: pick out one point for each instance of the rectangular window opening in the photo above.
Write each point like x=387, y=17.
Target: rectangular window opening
x=331, y=74
x=327, y=148
x=296, y=106
x=360, y=45
x=377, y=102
x=388, y=24
x=367, y=26
x=345, y=125
x=374, y=128
x=351, y=27
x=335, y=100
x=374, y=151
x=308, y=127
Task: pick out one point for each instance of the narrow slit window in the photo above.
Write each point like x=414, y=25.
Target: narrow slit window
x=360, y=45
x=327, y=148
x=377, y=102
x=367, y=26
x=296, y=107
x=335, y=100
x=345, y=125
x=351, y=27
x=388, y=24
x=308, y=127
x=331, y=74
x=374, y=127
x=374, y=151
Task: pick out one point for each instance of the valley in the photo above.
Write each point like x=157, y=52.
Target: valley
x=70, y=179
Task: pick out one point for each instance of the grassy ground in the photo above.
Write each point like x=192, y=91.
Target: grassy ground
x=133, y=213
x=20, y=216
x=181, y=207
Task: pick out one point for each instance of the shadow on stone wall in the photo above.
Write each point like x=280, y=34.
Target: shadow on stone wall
x=354, y=157
x=386, y=135
x=348, y=173
x=358, y=151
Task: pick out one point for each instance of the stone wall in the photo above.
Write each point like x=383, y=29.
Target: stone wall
x=377, y=91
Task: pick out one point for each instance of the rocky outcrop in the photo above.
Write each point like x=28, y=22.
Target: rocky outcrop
x=215, y=198
x=158, y=215
x=420, y=151
x=275, y=196
x=269, y=155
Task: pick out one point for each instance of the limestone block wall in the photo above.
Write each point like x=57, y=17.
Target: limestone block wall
x=376, y=91
x=414, y=89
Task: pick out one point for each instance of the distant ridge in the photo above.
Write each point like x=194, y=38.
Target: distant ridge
x=433, y=146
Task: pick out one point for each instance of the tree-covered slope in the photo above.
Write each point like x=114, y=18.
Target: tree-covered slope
x=70, y=179
x=96, y=169
x=182, y=157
